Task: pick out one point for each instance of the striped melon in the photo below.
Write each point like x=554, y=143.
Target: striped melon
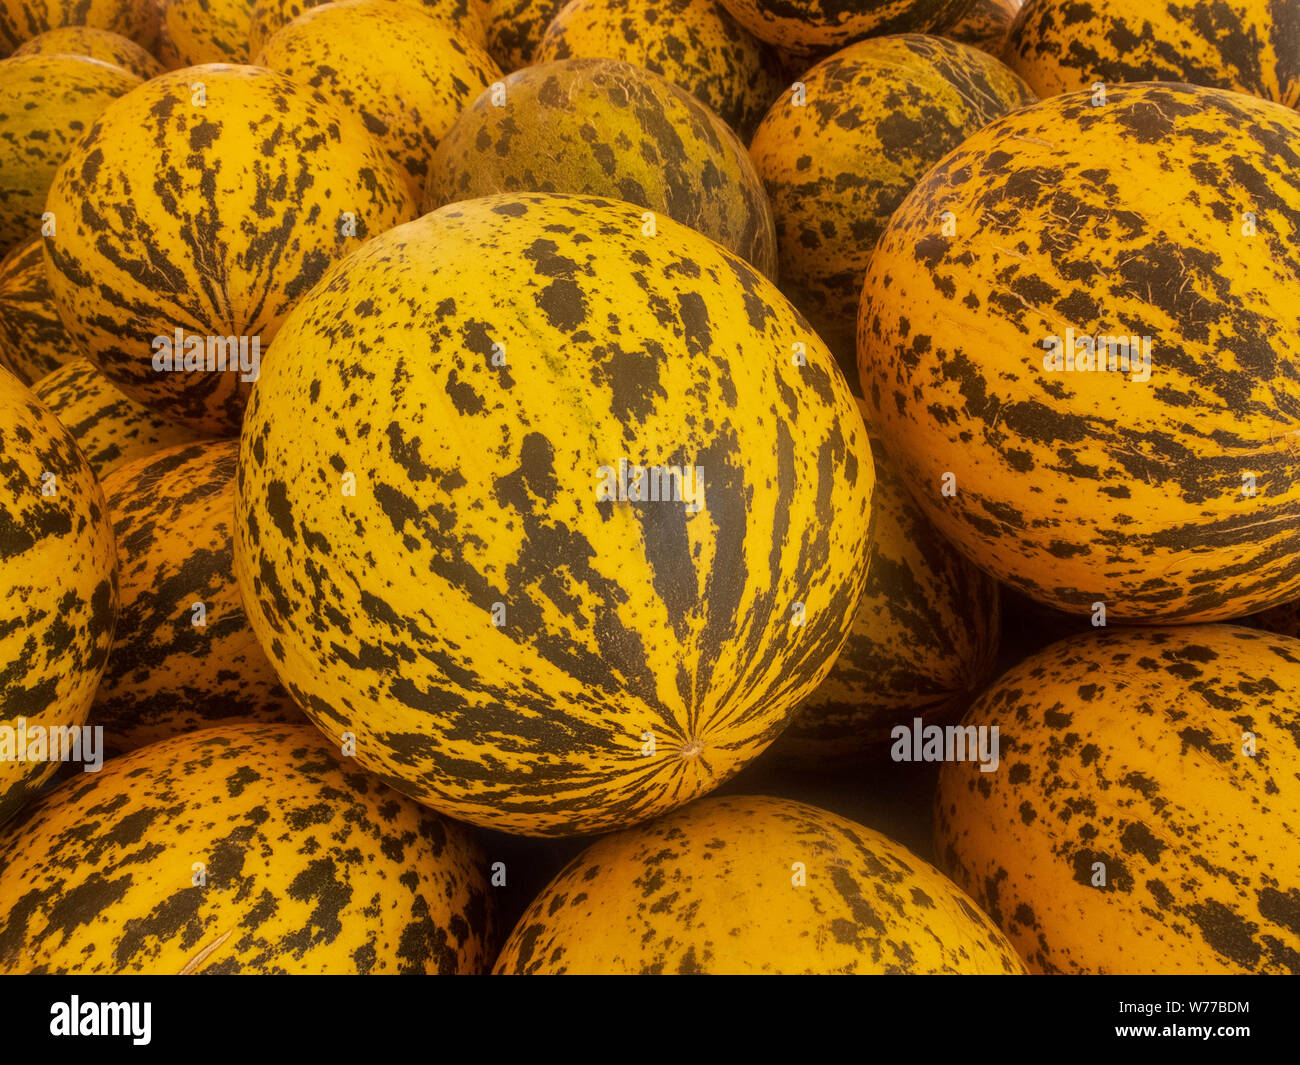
x=110, y=428
x=804, y=26
x=21, y=20
x=204, y=31
x=58, y=590
x=468, y=17
x=445, y=549
x=1164, y=486
x=239, y=849
x=1250, y=46
x=606, y=128
x=924, y=641
x=184, y=655
x=751, y=885
x=693, y=43
x=33, y=342
x=515, y=27
x=1145, y=817
x=406, y=74
x=986, y=25
x=99, y=44
x=839, y=156
x=236, y=187
x=47, y=102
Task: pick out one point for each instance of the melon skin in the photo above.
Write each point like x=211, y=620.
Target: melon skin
x=46, y=104
x=1248, y=46
x=213, y=249
x=923, y=643
x=477, y=483
x=606, y=128
x=104, y=45
x=694, y=43
x=405, y=73
x=1088, y=487
x=193, y=32
x=307, y=867
x=876, y=116
x=467, y=17
x=172, y=517
x=806, y=26
x=515, y=28
x=33, y=342
x=58, y=584
x=710, y=890
x=1127, y=749
x=110, y=428
x=986, y=25
x=20, y=20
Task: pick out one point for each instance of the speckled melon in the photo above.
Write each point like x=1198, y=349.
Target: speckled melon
x=468, y=17
x=184, y=655
x=47, y=102
x=33, y=342
x=426, y=543
x=239, y=849
x=986, y=25
x=607, y=128
x=21, y=20
x=110, y=428
x=98, y=44
x=58, y=589
x=752, y=885
x=1127, y=828
x=808, y=25
x=837, y=160
x=230, y=211
x=924, y=641
x=515, y=28
x=407, y=75
x=204, y=31
x=692, y=43
x=1175, y=497
x=1250, y=46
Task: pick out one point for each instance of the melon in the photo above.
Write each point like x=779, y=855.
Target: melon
x=692, y=43
x=99, y=44
x=606, y=128
x=1145, y=815
x=1250, y=46
x=749, y=885
x=1148, y=470
x=20, y=20
x=33, y=342
x=191, y=217
x=47, y=102
x=467, y=17
x=239, y=849
x=110, y=428
x=839, y=155
x=924, y=641
x=986, y=25
x=515, y=27
x=403, y=72
x=556, y=519
x=805, y=26
x=58, y=592
x=204, y=31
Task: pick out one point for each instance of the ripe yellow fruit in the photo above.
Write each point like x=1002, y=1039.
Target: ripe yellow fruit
x=807, y=26
x=239, y=849
x=33, y=342
x=515, y=27
x=467, y=17
x=21, y=20
x=753, y=885
x=204, y=31
x=1145, y=817
x=98, y=44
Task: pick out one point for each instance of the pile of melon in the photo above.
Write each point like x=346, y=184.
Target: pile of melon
x=649, y=486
